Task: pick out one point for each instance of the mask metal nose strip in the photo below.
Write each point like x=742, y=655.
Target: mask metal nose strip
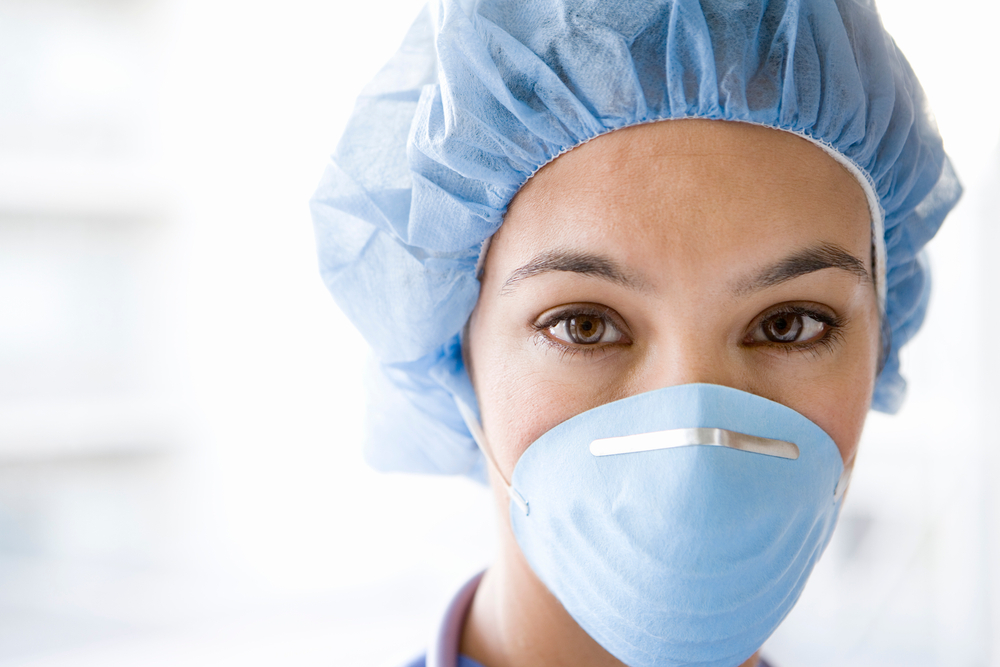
x=686, y=437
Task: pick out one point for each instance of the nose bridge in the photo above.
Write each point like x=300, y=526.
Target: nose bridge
x=688, y=354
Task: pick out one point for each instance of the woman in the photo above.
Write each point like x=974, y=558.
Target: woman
x=708, y=261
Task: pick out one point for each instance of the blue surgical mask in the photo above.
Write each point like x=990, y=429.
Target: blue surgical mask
x=679, y=526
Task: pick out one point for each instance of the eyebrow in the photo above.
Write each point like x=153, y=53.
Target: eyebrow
x=573, y=262
x=816, y=258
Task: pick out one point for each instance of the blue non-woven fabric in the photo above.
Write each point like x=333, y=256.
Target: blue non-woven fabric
x=482, y=94
x=685, y=556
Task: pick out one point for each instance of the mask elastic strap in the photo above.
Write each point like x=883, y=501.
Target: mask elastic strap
x=843, y=482
x=472, y=423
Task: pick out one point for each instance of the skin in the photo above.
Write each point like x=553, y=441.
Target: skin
x=708, y=251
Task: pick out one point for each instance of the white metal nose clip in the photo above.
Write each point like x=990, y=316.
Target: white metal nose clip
x=686, y=437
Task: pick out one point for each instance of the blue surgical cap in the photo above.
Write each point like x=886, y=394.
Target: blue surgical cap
x=483, y=94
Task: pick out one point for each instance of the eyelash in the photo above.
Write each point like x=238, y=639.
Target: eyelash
x=829, y=340
x=541, y=326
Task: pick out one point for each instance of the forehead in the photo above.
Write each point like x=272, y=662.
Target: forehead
x=698, y=191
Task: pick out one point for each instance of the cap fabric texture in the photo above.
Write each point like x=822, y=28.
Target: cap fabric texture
x=483, y=94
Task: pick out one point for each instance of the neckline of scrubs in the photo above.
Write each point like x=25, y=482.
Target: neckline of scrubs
x=442, y=651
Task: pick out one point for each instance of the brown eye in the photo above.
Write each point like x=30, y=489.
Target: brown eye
x=789, y=327
x=783, y=328
x=585, y=329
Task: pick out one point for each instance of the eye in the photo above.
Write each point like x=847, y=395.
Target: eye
x=583, y=328
x=792, y=326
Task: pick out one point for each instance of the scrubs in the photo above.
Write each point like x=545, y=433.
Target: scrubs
x=443, y=648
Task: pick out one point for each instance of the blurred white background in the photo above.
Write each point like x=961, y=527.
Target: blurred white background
x=180, y=400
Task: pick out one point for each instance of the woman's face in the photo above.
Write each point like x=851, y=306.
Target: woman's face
x=672, y=253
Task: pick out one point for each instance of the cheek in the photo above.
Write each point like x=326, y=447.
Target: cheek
x=842, y=416
x=517, y=407
x=504, y=392
x=524, y=391
x=523, y=388
x=839, y=401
